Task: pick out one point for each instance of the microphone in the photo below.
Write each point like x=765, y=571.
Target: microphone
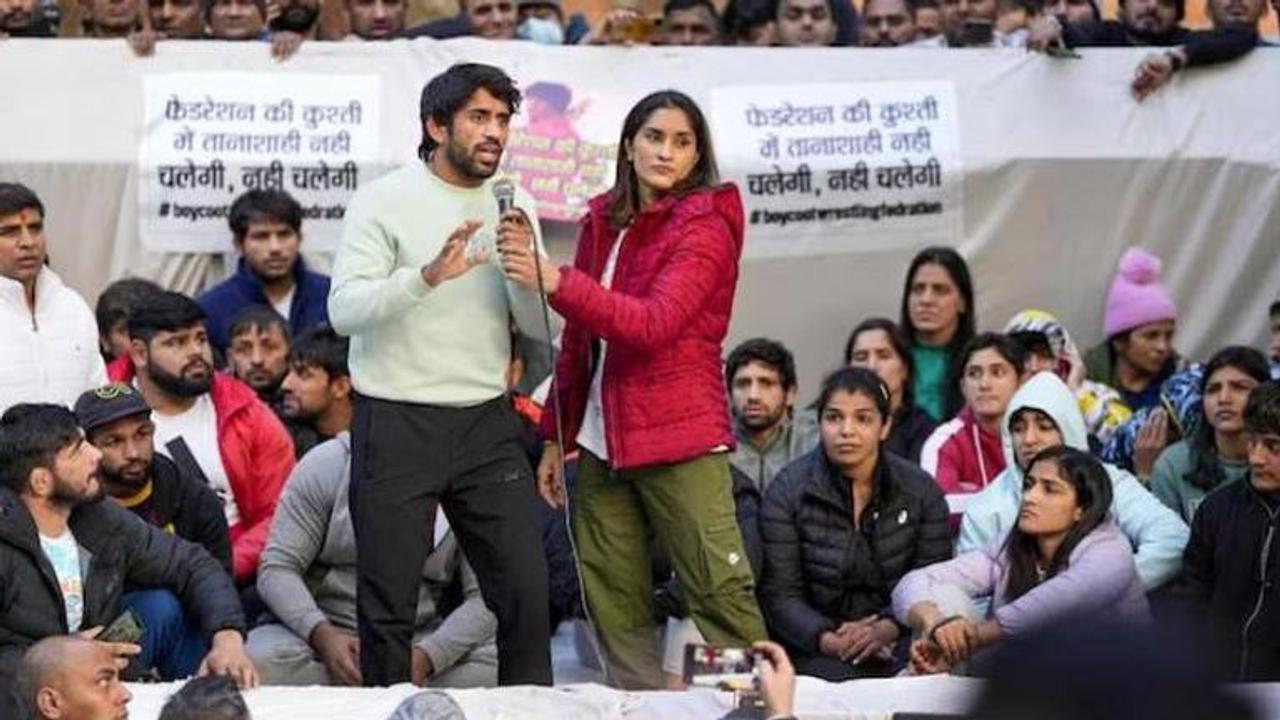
x=504, y=191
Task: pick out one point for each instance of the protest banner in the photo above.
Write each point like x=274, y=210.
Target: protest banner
x=842, y=167
x=210, y=136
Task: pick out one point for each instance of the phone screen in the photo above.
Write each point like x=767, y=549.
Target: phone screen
x=126, y=628
x=728, y=668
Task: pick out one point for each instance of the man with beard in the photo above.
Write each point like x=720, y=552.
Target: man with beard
x=23, y=19
x=266, y=228
x=66, y=558
x=1148, y=23
x=316, y=394
x=117, y=421
x=429, y=316
x=887, y=23
x=212, y=425
x=48, y=337
x=258, y=353
x=761, y=375
x=290, y=23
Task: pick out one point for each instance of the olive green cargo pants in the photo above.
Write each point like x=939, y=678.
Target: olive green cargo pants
x=689, y=509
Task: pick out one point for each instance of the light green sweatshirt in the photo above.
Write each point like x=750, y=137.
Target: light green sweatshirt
x=448, y=345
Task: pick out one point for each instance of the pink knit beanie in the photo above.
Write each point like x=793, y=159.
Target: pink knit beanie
x=1136, y=296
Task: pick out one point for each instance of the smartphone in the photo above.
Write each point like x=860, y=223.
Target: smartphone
x=127, y=628
x=978, y=33
x=722, y=668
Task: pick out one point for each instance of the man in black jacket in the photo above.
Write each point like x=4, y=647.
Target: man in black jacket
x=66, y=557
x=117, y=421
x=1232, y=561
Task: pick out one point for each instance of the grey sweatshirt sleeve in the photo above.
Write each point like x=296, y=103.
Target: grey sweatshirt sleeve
x=297, y=536
x=469, y=626
x=367, y=288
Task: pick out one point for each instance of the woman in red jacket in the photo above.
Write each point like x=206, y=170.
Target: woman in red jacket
x=640, y=390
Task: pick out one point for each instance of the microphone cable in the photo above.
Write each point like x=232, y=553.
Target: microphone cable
x=554, y=387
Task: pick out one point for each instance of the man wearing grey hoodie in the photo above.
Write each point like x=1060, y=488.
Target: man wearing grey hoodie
x=307, y=576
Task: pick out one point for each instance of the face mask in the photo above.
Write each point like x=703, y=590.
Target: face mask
x=546, y=32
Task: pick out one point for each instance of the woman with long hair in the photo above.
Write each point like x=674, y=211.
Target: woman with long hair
x=1217, y=452
x=840, y=525
x=878, y=344
x=1064, y=557
x=938, y=316
x=640, y=392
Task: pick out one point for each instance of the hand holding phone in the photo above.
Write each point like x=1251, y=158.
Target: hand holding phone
x=126, y=628
x=722, y=668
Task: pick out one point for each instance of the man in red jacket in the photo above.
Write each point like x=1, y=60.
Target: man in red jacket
x=212, y=425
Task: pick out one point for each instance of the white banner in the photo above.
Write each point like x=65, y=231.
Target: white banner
x=842, y=167
x=1062, y=170
x=210, y=136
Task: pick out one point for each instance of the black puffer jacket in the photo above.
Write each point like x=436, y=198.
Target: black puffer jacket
x=118, y=549
x=1231, y=578
x=818, y=570
x=911, y=428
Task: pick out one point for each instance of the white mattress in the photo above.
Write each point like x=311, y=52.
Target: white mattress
x=815, y=699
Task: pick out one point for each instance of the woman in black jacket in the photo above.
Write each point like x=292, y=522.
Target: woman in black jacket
x=840, y=526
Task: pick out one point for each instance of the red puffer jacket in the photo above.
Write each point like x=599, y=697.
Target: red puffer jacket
x=664, y=318
x=256, y=453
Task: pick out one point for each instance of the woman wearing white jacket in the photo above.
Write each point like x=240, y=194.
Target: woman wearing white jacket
x=1042, y=414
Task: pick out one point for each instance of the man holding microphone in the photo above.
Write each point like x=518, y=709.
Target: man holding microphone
x=417, y=288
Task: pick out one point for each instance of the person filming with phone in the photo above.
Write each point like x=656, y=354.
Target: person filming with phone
x=68, y=557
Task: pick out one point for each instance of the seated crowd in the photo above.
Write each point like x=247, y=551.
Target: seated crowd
x=187, y=462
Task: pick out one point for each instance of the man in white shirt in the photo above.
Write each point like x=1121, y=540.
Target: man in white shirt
x=212, y=425
x=48, y=337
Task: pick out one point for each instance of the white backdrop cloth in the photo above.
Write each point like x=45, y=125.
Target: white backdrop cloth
x=1062, y=171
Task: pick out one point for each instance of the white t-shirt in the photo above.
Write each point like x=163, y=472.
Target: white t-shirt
x=591, y=437
x=283, y=306
x=64, y=556
x=198, y=428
